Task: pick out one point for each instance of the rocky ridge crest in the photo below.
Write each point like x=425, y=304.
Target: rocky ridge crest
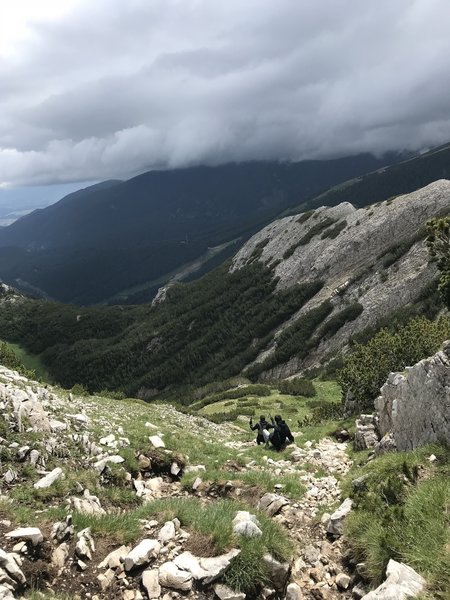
x=349, y=253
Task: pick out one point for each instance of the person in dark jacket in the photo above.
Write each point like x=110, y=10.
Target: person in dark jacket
x=280, y=434
x=262, y=427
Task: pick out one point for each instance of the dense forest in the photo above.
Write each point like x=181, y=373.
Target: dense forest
x=206, y=330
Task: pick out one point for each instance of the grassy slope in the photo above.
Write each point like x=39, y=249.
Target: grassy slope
x=402, y=512
x=33, y=362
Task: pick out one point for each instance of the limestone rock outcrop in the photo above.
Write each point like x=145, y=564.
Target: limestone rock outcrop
x=401, y=583
x=414, y=406
x=347, y=249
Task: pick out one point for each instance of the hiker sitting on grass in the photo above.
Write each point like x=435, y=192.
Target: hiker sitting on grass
x=281, y=434
x=263, y=427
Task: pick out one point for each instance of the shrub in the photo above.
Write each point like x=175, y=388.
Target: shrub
x=367, y=367
x=305, y=216
x=79, y=390
x=401, y=516
x=299, y=386
x=333, y=232
x=349, y=313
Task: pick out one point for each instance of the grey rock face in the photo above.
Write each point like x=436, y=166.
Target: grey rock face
x=336, y=523
x=415, y=407
x=272, y=503
x=402, y=582
x=172, y=577
x=348, y=264
x=365, y=434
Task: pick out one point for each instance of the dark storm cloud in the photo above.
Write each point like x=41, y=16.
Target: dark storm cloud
x=115, y=88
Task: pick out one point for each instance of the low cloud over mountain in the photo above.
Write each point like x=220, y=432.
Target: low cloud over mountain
x=112, y=88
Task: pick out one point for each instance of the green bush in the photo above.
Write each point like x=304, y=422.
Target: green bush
x=399, y=515
x=333, y=232
x=296, y=340
x=365, y=370
x=349, y=313
x=299, y=386
x=313, y=231
x=9, y=359
x=305, y=216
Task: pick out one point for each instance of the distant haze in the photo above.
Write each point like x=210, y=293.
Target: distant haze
x=107, y=89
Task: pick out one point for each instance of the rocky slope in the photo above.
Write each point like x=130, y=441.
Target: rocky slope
x=103, y=498
x=375, y=257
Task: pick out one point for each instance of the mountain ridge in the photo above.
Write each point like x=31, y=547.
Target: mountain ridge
x=99, y=241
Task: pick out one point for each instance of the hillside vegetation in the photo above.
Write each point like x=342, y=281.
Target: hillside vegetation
x=205, y=331
x=263, y=317
x=122, y=236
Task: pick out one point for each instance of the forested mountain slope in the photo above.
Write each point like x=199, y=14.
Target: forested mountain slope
x=293, y=296
x=124, y=236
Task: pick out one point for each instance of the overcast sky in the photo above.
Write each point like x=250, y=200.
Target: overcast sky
x=91, y=90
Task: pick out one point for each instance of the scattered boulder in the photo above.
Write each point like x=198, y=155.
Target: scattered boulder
x=113, y=559
x=272, y=503
x=85, y=545
x=336, y=523
x=365, y=434
x=49, y=479
x=172, y=577
x=294, y=592
x=32, y=534
x=167, y=532
x=278, y=572
x=401, y=583
x=88, y=504
x=246, y=524
x=62, y=530
x=156, y=441
x=226, y=593
x=60, y=555
x=205, y=569
x=142, y=554
x=8, y=562
x=150, y=581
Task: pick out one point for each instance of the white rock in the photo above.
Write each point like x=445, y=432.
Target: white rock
x=247, y=529
x=336, y=523
x=293, y=592
x=32, y=534
x=112, y=560
x=150, y=580
x=225, y=593
x=9, y=563
x=401, y=583
x=172, y=577
x=85, y=545
x=106, y=579
x=175, y=469
x=56, y=426
x=100, y=465
x=107, y=440
x=156, y=441
x=197, y=483
x=205, y=569
x=49, y=479
x=167, y=532
x=89, y=504
x=142, y=554
x=59, y=555
x=342, y=581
